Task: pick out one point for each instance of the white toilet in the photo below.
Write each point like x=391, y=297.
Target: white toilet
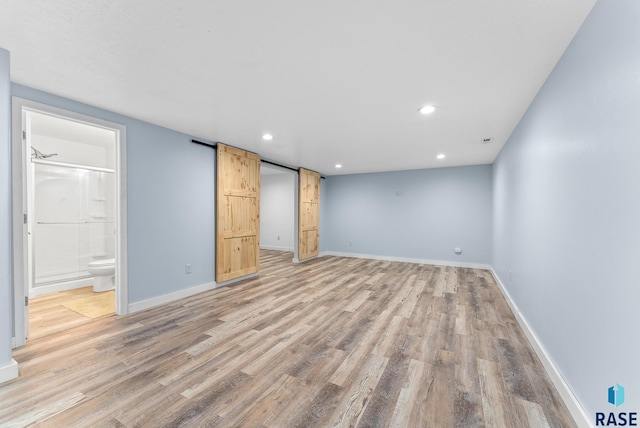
x=104, y=274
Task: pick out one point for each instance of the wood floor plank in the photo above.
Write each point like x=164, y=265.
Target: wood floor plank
x=332, y=342
x=268, y=405
x=534, y=414
x=409, y=396
x=48, y=316
x=358, y=391
x=351, y=362
x=46, y=409
x=494, y=398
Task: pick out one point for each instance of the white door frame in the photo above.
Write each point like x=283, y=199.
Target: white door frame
x=19, y=157
x=296, y=195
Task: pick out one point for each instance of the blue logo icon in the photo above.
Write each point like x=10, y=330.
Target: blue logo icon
x=616, y=395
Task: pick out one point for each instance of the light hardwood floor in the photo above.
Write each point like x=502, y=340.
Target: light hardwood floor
x=331, y=342
x=47, y=315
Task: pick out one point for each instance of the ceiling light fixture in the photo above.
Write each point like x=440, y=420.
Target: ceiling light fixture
x=338, y=165
x=441, y=156
x=427, y=109
x=267, y=137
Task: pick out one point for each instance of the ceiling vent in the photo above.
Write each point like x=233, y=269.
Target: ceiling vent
x=486, y=140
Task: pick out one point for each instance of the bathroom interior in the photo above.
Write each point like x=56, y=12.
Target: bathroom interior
x=71, y=210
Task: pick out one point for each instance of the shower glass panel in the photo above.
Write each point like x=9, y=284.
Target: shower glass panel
x=74, y=221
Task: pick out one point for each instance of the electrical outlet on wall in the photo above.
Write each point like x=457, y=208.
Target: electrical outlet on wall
x=187, y=268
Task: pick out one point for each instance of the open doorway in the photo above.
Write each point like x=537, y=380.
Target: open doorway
x=278, y=209
x=69, y=208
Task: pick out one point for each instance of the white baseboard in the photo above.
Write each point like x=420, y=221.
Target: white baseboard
x=170, y=297
x=276, y=248
x=297, y=260
x=233, y=281
x=181, y=294
x=570, y=400
x=407, y=260
x=9, y=371
x=61, y=286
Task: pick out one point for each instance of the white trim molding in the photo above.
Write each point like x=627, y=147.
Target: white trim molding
x=181, y=294
x=9, y=372
x=20, y=244
x=276, y=248
x=297, y=260
x=233, y=281
x=170, y=297
x=407, y=260
x=570, y=400
x=60, y=286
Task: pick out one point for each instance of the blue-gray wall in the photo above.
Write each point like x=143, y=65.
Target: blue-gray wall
x=6, y=260
x=171, y=217
x=567, y=209
x=420, y=214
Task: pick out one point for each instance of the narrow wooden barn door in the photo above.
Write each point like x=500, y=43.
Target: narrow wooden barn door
x=309, y=214
x=238, y=213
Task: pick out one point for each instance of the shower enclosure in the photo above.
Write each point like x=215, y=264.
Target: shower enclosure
x=73, y=221
x=71, y=201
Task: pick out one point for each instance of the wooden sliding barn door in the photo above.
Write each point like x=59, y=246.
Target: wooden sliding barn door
x=238, y=213
x=309, y=214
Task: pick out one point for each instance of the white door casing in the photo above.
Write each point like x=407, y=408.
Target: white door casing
x=19, y=199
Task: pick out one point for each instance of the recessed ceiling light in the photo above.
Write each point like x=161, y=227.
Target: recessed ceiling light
x=267, y=137
x=338, y=165
x=441, y=156
x=427, y=109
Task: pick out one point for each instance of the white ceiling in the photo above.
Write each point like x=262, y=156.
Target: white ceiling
x=333, y=81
